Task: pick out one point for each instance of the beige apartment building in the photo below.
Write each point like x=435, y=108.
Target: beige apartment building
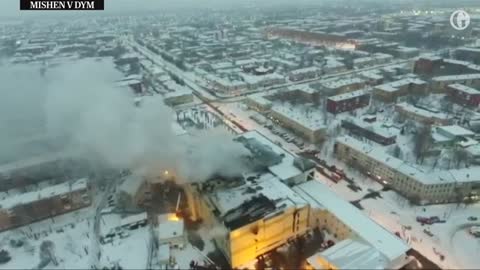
x=312, y=129
x=415, y=183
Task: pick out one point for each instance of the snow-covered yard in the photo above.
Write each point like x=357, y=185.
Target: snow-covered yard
x=70, y=234
x=130, y=252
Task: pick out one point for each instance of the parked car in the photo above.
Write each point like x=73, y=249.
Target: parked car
x=398, y=234
x=472, y=218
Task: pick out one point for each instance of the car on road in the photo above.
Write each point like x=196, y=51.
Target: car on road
x=475, y=231
x=429, y=220
x=427, y=232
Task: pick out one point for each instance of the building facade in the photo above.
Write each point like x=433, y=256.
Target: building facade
x=464, y=95
x=22, y=209
x=414, y=183
x=348, y=102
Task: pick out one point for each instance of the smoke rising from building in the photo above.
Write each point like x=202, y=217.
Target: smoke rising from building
x=99, y=122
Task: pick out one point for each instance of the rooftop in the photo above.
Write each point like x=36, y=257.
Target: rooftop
x=254, y=200
x=349, y=95
x=294, y=114
x=464, y=88
x=45, y=193
x=419, y=174
x=474, y=76
x=422, y=112
x=395, y=86
x=33, y=161
x=350, y=254
x=169, y=226
x=341, y=83
x=321, y=196
x=260, y=99
x=286, y=168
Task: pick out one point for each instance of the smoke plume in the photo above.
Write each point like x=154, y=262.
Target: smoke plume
x=99, y=122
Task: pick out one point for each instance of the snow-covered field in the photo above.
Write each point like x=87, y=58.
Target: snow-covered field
x=70, y=234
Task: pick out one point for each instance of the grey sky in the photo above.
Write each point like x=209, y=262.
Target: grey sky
x=10, y=8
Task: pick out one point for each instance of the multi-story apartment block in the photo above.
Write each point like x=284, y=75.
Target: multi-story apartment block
x=415, y=183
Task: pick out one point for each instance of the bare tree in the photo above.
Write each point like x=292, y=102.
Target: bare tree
x=397, y=152
x=460, y=156
x=47, y=252
x=423, y=142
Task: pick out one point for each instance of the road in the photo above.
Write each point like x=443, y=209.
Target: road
x=95, y=251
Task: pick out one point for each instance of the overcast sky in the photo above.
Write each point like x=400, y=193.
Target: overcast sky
x=11, y=7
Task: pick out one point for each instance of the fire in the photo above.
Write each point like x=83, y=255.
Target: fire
x=173, y=217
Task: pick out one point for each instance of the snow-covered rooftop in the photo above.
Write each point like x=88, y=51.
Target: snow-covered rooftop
x=266, y=196
x=455, y=130
x=33, y=161
x=128, y=220
x=388, y=244
x=349, y=95
x=464, y=88
x=350, y=254
x=474, y=76
x=342, y=82
x=304, y=70
x=45, y=193
x=286, y=168
x=131, y=184
x=260, y=99
x=253, y=79
x=419, y=174
x=396, y=85
x=422, y=112
x=169, y=226
x=312, y=123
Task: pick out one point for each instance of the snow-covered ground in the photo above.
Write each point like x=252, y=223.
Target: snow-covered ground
x=394, y=213
x=70, y=234
x=130, y=252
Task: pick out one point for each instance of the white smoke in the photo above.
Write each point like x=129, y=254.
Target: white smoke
x=103, y=125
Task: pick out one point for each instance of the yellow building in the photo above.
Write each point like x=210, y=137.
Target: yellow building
x=311, y=128
x=254, y=218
